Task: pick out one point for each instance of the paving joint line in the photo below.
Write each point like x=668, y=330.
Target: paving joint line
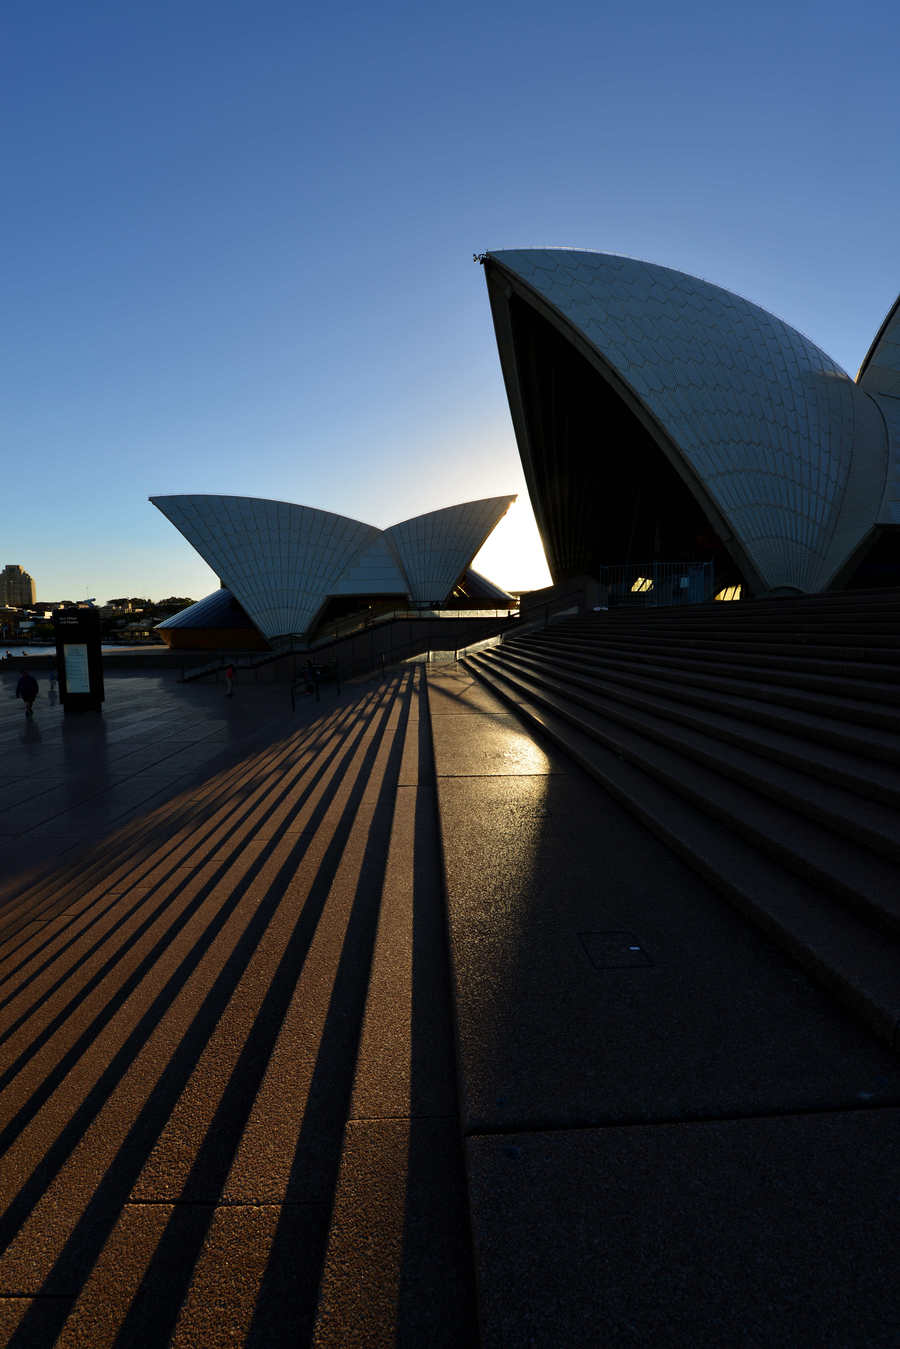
x=629, y=1122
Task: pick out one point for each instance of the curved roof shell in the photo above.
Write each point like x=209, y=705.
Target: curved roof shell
x=436, y=548
x=879, y=375
x=282, y=562
x=478, y=587
x=784, y=453
x=218, y=610
x=214, y=622
x=277, y=559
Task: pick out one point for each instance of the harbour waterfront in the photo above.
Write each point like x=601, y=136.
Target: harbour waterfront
x=48, y=649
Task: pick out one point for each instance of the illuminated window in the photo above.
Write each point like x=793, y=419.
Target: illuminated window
x=641, y=585
x=729, y=593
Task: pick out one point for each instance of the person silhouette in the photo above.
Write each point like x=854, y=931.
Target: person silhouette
x=27, y=690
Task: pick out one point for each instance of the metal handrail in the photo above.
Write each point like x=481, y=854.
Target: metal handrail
x=347, y=629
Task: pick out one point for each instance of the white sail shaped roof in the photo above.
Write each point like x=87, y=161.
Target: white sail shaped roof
x=282, y=562
x=771, y=428
x=436, y=548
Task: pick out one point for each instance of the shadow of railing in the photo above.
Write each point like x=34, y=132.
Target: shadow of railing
x=116, y=1001
x=220, y=857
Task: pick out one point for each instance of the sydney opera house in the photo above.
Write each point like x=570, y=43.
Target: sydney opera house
x=660, y=417
x=288, y=571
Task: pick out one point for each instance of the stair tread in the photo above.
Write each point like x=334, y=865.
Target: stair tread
x=875, y=817
x=836, y=860
x=848, y=624
x=781, y=732
x=740, y=676
x=813, y=648
x=738, y=654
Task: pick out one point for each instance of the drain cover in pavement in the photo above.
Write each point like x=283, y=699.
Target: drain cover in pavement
x=613, y=950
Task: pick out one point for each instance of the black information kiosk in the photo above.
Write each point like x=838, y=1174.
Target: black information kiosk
x=79, y=664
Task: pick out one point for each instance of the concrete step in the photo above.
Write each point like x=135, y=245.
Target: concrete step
x=849, y=847
x=867, y=653
x=820, y=717
x=696, y=618
x=880, y=632
x=786, y=738
x=849, y=663
x=813, y=640
x=849, y=700
x=840, y=941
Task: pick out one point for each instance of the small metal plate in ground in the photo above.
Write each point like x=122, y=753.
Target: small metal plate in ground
x=613, y=950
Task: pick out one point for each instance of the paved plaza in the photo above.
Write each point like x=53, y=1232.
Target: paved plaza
x=377, y=1022
x=229, y=1106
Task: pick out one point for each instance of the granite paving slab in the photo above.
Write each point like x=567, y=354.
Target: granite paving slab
x=748, y=1232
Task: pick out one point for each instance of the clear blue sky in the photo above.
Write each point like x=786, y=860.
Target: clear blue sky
x=238, y=237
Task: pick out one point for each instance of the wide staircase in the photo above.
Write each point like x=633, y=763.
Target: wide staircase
x=761, y=741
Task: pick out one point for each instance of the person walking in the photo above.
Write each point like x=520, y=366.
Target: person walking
x=27, y=690
x=229, y=680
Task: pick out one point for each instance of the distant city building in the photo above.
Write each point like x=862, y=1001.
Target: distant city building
x=125, y=605
x=9, y=622
x=16, y=586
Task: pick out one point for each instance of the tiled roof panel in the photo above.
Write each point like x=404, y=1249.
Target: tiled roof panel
x=730, y=384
